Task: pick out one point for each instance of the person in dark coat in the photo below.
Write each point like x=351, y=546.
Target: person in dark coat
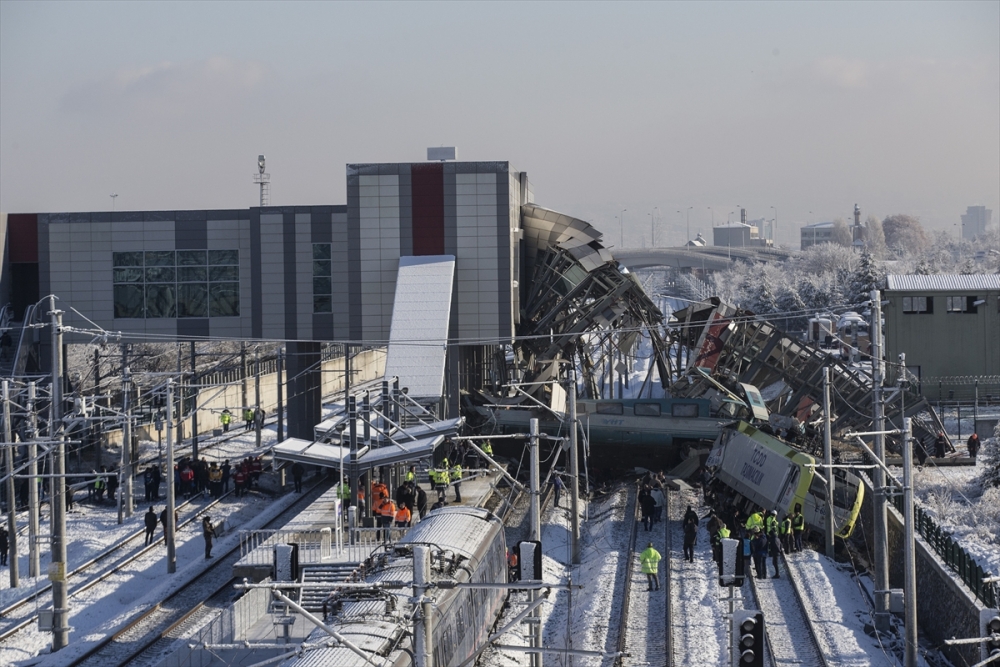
x=690, y=515
x=973, y=445
x=940, y=445
x=150, y=519
x=112, y=486
x=4, y=545
x=420, y=497
x=774, y=550
x=157, y=480
x=758, y=544
x=147, y=482
x=227, y=470
x=647, y=506
x=918, y=449
x=690, y=538
x=297, y=472
x=208, y=531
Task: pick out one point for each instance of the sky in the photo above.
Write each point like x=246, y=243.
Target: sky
x=667, y=111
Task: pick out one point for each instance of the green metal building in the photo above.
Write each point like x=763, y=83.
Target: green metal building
x=949, y=328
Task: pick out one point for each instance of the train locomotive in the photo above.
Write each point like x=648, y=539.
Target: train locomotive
x=467, y=545
x=753, y=469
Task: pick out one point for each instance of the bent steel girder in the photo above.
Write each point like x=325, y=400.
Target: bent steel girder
x=577, y=288
x=748, y=349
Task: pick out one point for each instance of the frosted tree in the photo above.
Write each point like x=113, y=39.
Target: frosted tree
x=793, y=308
x=841, y=233
x=904, y=234
x=867, y=276
x=874, y=236
x=990, y=457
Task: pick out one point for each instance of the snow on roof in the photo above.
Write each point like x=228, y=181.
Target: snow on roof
x=943, y=282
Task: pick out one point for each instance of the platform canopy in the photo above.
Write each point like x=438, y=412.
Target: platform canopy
x=330, y=456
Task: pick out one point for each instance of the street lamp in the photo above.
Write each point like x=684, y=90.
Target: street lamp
x=114, y=196
x=621, y=229
x=652, y=226
x=713, y=216
x=774, y=229
x=689, y=221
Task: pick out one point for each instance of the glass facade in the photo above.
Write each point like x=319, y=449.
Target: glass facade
x=322, y=277
x=177, y=283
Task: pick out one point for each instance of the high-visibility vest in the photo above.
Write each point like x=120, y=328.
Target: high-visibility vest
x=786, y=526
x=772, y=524
x=403, y=514
x=488, y=448
x=343, y=491
x=456, y=472
x=387, y=509
x=444, y=477
x=755, y=520
x=215, y=474
x=410, y=476
x=798, y=522
x=723, y=532
x=226, y=417
x=650, y=559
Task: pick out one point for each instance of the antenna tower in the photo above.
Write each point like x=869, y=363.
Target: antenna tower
x=264, y=180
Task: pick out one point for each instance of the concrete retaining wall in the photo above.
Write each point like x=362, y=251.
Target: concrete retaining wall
x=946, y=608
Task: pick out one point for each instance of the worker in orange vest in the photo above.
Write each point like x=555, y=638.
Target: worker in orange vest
x=386, y=512
x=403, y=517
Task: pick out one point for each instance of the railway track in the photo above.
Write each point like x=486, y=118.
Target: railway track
x=23, y=613
x=645, y=641
x=788, y=629
x=153, y=628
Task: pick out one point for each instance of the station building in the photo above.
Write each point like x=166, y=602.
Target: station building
x=296, y=273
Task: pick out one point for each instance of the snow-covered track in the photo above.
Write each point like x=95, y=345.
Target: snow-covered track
x=626, y=585
x=698, y=626
x=791, y=639
x=23, y=613
x=149, y=626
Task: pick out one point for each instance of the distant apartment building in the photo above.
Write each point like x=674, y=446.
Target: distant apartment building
x=816, y=233
x=975, y=221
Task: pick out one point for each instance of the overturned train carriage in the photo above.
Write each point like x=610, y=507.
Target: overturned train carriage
x=756, y=470
x=467, y=546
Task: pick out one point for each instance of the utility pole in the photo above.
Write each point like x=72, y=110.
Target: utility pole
x=281, y=402
x=124, y=467
x=170, y=527
x=194, y=403
x=57, y=568
x=243, y=366
x=536, y=534
x=828, y=460
x=574, y=470
x=423, y=631
x=11, y=496
x=909, y=553
x=881, y=532
x=257, y=421
x=180, y=401
x=34, y=567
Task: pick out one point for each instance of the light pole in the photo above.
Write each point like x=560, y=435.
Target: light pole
x=774, y=229
x=689, y=221
x=652, y=226
x=621, y=229
x=114, y=196
x=713, y=215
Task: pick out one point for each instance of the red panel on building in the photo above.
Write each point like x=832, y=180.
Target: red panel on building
x=22, y=238
x=427, y=186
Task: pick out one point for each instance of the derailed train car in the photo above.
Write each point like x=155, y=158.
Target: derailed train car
x=467, y=545
x=755, y=469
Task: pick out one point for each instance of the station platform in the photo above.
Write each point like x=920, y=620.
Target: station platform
x=321, y=534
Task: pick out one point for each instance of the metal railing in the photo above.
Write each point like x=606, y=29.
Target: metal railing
x=952, y=554
x=317, y=546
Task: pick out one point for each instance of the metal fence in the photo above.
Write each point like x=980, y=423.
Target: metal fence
x=229, y=626
x=951, y=552
x=317, y=546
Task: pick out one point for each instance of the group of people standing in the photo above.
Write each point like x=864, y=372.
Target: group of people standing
x=763, y=535
x=151, y=519
x=651, y=501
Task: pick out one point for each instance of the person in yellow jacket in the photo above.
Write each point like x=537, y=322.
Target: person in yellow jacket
x=771, y=523
x=456, y=474
x=650, y=559
x=755, y=520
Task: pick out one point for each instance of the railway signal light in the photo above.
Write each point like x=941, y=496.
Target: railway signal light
x=989, y=630
x=529, y=560
x=748, y=639
x=731, y=562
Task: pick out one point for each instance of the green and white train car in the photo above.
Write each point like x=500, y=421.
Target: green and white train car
x=757, y=470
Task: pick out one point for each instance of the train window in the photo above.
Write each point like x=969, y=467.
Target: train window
x=647, y=409
x=818, y=486
x=843, y=496
x=610, y=409
x=684, y=410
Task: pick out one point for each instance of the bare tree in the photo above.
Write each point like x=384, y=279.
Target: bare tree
x=841, y=233
x=904, y=234
x=874, y=236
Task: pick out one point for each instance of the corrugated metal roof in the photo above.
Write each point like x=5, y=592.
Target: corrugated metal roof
x=944, y=282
